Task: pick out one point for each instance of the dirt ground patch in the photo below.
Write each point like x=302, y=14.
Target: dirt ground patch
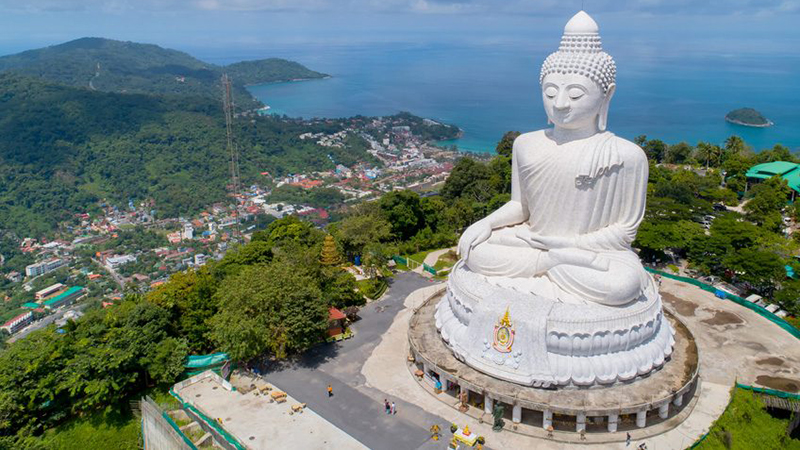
x=682, y=307
x=771, y=361
x=779, y=383
x=723, y=318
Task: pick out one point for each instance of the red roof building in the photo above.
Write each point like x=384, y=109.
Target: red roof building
x=336, y=321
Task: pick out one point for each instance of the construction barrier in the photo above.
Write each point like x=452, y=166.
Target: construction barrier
x=772, y=392
x=428, y=269
x=197, y=364
x=178, y=430
x=209, y=421
x=734, y=298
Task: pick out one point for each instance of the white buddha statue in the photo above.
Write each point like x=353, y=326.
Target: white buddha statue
x=577, y=191
x=548, y=290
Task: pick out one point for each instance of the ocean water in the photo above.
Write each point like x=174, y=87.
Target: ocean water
x=489, y=89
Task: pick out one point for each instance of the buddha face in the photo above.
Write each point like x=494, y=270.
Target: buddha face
x=575, y=102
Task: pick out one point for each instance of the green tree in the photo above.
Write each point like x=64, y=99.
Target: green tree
x=189, y=299
x=357, y=231
x=762, y=269
x=289, y=229
x=788, y=297
x=506, y=144
x=469, y=178
x=339, y=288
x=273, y=309
x=404, y=213
x=655, y=150
x=679, y=153
x=708, y=153
x=769, y=198
x=375, y=260
x=166, y=360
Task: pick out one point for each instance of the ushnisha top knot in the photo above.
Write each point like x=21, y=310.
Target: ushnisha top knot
x=581, y=52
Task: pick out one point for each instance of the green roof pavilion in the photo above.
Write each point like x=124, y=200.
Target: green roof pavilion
x=787, y=170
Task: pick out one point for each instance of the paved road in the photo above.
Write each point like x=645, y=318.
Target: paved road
x=44, y=322
x=354, y=407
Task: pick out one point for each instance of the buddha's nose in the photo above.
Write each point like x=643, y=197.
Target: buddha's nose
x=562, y=102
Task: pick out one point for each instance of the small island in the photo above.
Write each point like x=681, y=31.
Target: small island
x=748, y=117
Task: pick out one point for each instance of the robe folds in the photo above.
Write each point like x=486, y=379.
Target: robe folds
x=591, y=191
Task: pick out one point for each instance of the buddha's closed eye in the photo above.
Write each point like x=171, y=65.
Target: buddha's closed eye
x=576, y=93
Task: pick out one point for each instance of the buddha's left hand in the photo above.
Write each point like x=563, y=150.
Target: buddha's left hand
x=545, y=242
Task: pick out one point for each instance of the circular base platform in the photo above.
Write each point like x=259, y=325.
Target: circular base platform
x=660, y=393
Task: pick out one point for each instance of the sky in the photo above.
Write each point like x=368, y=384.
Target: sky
x=210, y=27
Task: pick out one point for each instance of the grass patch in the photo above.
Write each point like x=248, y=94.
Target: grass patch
x=194, y=433
x=747, y=424
x=372, y=288
x=160, y=394
x=446, y=261
x=793, y=321
x=107, y=431
x=401, y=267
x=420, y=256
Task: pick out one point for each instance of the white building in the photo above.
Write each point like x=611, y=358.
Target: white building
x=116, y=261
x=18, y=323
x=188, y=231
x=44, y=267
x=200, y=259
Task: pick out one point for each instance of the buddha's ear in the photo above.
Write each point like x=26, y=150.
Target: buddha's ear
x=602, y=118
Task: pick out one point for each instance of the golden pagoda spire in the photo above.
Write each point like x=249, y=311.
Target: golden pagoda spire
x=506, y=320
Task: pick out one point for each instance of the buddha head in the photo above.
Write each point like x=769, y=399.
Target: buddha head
x=578, y=80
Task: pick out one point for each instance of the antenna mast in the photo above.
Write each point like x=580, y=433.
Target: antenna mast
x=228, y=107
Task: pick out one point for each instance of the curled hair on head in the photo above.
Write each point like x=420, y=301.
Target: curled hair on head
x=581, y=52
x=598, y=67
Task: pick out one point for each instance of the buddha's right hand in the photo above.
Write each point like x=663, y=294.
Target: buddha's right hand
x=475, y=234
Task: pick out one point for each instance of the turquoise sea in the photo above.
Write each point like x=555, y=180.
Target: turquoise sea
x=488, y=89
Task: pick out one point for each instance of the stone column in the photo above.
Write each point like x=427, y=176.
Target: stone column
x=580, y=422
x=547, y=418
x=663, y=410
x=678, y=400
x=641, y=418
x=516, y=414
x=613, y=419
x=488, y=404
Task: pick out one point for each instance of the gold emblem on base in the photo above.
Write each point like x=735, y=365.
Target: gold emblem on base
x=504, y=334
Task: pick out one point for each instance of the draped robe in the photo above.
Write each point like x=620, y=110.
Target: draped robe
x=592, y=191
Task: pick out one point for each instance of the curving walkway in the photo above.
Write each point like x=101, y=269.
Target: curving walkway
x=734, y=344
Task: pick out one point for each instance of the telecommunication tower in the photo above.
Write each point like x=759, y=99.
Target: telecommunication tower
x=228, y=107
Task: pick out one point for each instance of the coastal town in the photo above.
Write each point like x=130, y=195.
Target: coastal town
x=98, y=257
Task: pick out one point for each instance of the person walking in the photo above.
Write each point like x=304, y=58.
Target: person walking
x=386, y=406
x=394, y=409
x=627, y=439
x=330, y=391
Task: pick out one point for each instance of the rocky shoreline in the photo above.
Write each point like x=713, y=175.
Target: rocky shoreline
x=754, y=125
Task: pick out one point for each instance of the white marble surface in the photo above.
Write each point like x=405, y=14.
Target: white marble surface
x=558, y=255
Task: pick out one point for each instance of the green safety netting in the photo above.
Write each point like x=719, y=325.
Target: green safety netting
x=197, y=364
x=773, y=392
x=195, y=361
x=209, y=421
x=178, y=429
x=734, y=298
